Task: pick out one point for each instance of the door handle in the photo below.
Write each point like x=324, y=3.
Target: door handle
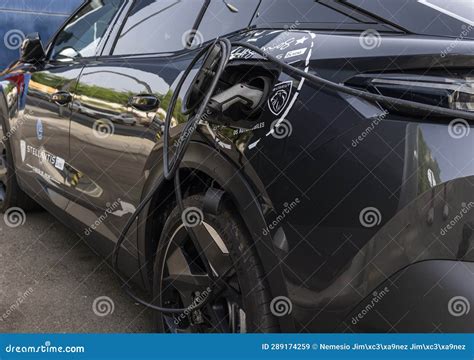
x=144, y=102
x=61, y=98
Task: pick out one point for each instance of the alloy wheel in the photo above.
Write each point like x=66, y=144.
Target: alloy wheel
x=185, y=283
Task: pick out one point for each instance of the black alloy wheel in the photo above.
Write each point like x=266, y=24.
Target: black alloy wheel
x=185, y=280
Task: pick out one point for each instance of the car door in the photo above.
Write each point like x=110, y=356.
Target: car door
x=44, y=144
x=122, y=99
x=119, y=107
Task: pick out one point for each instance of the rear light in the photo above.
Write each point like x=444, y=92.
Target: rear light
x=455, y=93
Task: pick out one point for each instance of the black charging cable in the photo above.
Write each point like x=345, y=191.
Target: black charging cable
x=171, y=165
x=171, y=170
x=390, y=102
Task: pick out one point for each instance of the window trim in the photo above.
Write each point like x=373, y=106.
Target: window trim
x=116, y=29
x=100, y=46
x=198, y=22
x=111, y=48
x=112, y=41
x=248, y=27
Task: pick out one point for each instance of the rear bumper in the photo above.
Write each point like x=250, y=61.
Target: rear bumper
x=431, y=296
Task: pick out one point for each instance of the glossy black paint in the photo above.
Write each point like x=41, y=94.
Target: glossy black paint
x=317, y=253
x=411, y=293
x=417, y=16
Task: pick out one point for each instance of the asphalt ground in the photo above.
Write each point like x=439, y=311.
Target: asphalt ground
x=52, y=282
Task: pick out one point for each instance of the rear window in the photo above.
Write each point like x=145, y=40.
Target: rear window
x=427, y=17
x=462, y=10
x=224, y=17
x=156, y=26
x=294, y=12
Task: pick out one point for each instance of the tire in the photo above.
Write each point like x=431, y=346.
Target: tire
x=11, y=196
x=248, y=276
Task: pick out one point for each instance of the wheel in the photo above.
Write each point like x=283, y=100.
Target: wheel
x=181, y=280
x=10, y=193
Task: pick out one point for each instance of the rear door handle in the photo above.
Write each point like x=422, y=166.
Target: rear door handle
x=144, y=102
x=61, y=98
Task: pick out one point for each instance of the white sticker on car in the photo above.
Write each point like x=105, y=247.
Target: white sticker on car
x=59, y=163
x=23, y=150
x=241, y=53
x=280, y=46
x=294, y=53
x=280, y=97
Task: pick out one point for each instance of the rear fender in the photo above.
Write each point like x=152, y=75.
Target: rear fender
x=208, y=161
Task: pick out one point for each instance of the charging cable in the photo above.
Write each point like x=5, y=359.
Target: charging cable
x=171, y=165
x=171, y=170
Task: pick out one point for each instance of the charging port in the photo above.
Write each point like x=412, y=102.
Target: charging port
x=239, y=101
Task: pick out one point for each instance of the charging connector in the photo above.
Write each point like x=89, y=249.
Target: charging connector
x=242, y=94
x=250, y=98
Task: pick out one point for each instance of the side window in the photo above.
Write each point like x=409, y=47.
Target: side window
x=81, y=36
x=293, y=12
x=155, y=26
x=224, y=17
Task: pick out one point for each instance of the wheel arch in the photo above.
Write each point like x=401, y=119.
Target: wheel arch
x=4, y=107
x=203, y=167
x=12, y=91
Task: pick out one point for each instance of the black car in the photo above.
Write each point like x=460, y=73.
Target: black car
x=326, y=211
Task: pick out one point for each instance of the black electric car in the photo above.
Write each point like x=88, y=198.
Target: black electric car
x=327, y=212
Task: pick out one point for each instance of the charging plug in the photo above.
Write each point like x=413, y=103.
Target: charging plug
x=249, y=97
